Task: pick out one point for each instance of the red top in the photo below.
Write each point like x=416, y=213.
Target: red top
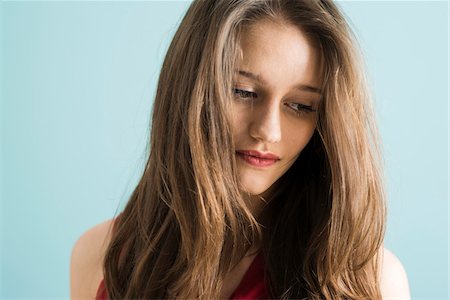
x=251, y=286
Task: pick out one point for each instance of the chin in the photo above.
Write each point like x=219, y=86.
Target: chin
x=254, y=192
x=255, y=188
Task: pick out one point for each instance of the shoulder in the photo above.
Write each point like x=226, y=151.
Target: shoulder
x=394, y=281
x=86, y=261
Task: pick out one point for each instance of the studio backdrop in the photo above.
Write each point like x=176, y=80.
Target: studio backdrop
x=77, y=85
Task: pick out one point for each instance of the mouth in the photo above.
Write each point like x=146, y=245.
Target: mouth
x=257, y=159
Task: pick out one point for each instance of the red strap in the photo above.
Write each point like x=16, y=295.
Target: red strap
x=252, y=285
x=102, y=293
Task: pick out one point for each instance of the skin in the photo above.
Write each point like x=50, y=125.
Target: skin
x=266, y=112
x=282, y=55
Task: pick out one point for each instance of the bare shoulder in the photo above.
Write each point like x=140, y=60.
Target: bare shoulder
x=394, y=281
x=86, y=260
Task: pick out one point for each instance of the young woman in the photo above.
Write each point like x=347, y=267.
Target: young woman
x=263, y=178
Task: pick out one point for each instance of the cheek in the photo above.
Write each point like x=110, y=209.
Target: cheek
x=239, y=121
x=295, y=145
x=298, y=136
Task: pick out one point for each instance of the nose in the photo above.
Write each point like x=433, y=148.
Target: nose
x=266, y=126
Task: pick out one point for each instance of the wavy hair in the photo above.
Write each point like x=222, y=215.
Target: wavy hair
x=186, y=224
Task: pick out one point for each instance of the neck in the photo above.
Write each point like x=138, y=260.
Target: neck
x=257, y=203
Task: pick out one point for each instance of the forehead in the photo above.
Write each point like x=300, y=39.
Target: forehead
x=277, y=48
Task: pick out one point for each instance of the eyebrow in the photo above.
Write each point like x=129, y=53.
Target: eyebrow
x=301, y=87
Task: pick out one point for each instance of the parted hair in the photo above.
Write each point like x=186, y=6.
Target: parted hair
x=186, y=224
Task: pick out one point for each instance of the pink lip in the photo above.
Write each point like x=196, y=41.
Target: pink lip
x=258, y=159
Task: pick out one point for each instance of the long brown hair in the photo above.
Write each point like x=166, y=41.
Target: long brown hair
x=186, y=224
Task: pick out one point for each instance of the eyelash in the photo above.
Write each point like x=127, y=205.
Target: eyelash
x=302, y=108
x=240, y=92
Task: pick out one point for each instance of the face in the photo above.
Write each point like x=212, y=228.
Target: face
x=276, y=96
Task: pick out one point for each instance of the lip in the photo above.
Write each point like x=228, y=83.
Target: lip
x=258, y=159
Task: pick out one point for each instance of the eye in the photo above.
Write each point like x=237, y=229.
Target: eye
x=244, y=94
x=301, y=109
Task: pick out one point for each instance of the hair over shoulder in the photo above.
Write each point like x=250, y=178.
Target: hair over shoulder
x=187, y=217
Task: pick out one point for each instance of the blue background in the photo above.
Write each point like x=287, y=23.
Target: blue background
x=77, y=83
